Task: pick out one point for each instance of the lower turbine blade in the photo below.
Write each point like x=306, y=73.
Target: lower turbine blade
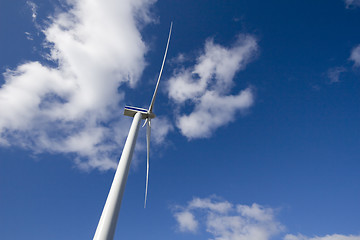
x=148, y=132
x=146, y=120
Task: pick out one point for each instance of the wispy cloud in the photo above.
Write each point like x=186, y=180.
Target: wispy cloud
x=207, y=86
x=69, y=102
x=355, y=56
x=327, y=237
x=334, y=74
x=33, y=8
x=352, y=3
x=226, y=221
x=29, y=36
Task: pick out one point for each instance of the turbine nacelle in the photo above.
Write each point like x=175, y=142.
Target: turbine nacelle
x=145, y=113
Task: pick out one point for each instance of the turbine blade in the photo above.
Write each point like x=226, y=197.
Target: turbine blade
x=146, y=120
x=162, y=66
x=148, y=132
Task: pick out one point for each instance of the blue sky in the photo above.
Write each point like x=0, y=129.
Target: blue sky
x=257, y=131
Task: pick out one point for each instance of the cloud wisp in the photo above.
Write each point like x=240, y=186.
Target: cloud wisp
x=355, y=56
x=352, y=3
x=207, y=87
x=327, y=237
x=334, y=74
x=33, y=8
x=69, y=103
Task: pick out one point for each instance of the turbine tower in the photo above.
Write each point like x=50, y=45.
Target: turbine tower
x=107, y=223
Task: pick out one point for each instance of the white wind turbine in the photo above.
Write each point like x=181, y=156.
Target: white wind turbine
x=107, y=223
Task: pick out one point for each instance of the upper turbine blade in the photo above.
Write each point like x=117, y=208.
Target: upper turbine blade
x=162, y=66
x=148, y=132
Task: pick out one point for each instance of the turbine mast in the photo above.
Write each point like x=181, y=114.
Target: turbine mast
x=107, y=224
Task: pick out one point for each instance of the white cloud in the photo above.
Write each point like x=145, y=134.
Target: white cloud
x=160, y=127
x=209, y=204
x=225, y=221
x=327, y=237
x=213, y=111
x=355, y=56
x=207, y=86
x=352, y=3
x=256, y=211
x=186, y=221
x=71, y=103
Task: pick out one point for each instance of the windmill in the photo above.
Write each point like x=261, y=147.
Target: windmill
x=107, y=223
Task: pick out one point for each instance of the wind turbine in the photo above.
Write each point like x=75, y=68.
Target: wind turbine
x=107, y=223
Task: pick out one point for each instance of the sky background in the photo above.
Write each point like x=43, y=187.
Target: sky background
x=257, y=132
